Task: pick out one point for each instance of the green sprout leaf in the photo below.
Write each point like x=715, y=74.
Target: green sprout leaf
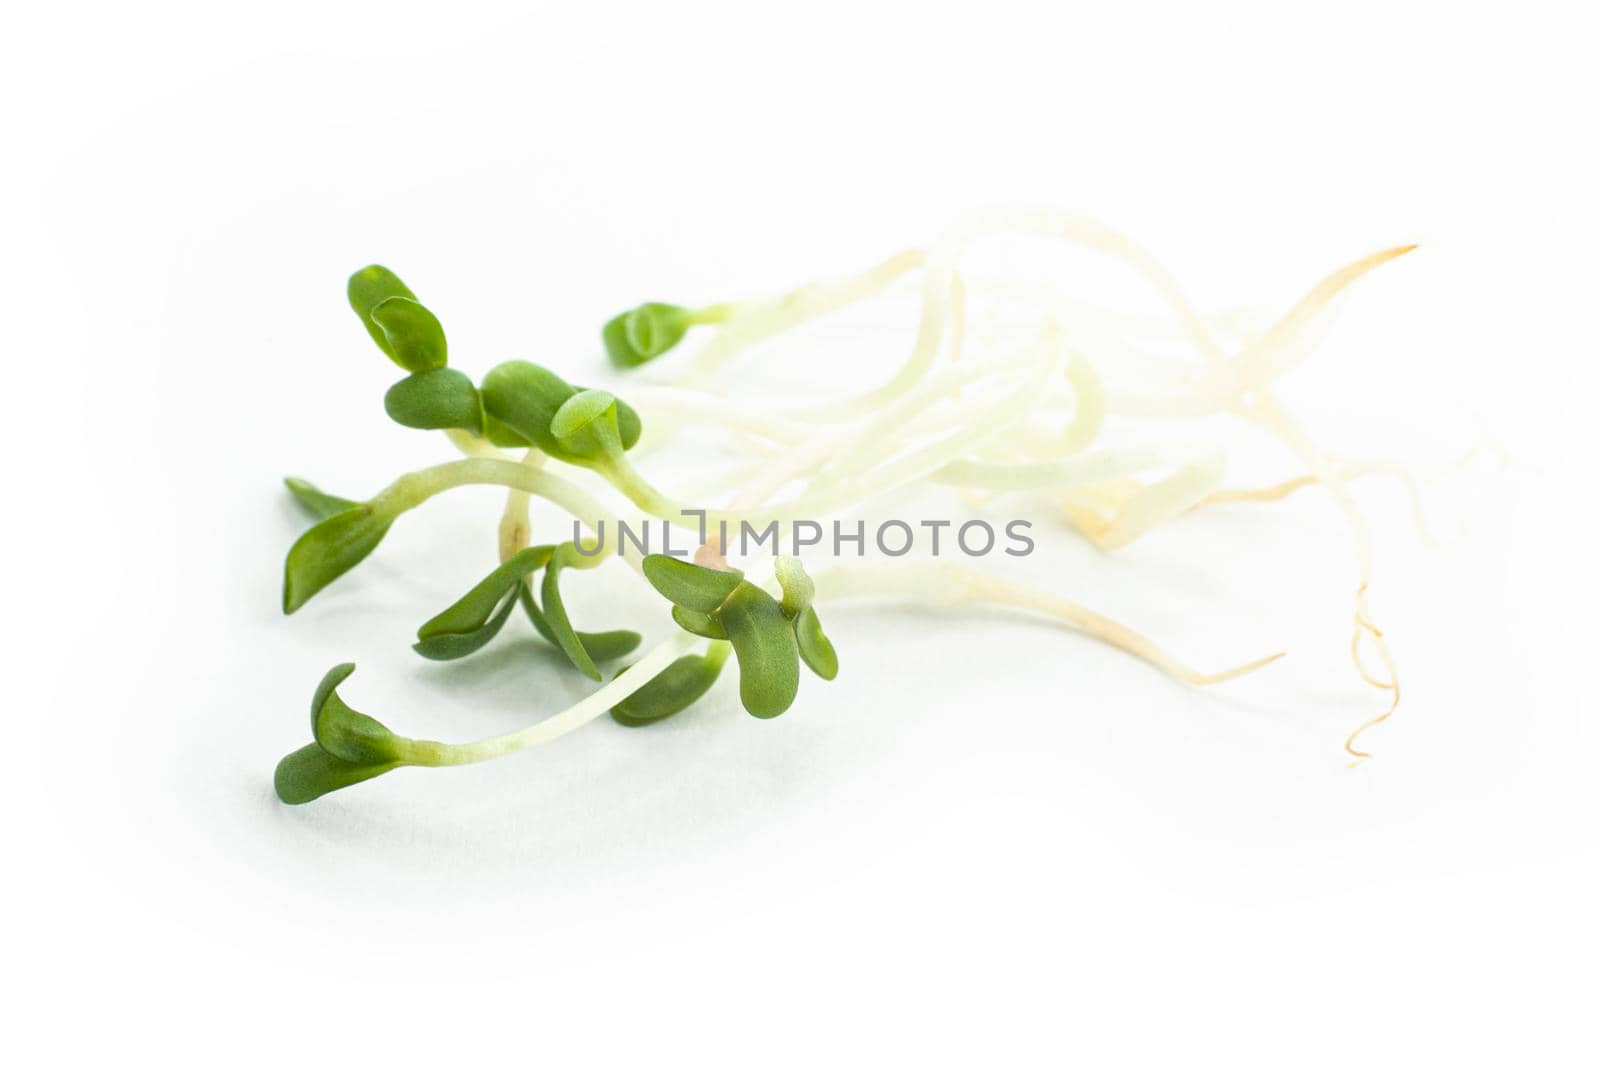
x=314, y=501
x=638, y=336
x=369, y=287
x=474, y=620
x=308, y=773
x=446, y=646
x=327, y=550
x=478, y=605
x=555, y=612
x=344, y=732
x=629, y=425
x=601, y=647
x=699, y=623
x=524, y=397
x=502, y=436
x=686, y=680
x=798, y=588
x=521, y=399
x=416, y=340
x=764, y=640
x=350, y=747
x=815, y=648
x=585, y=425
x=440, y=399
x=700, y=589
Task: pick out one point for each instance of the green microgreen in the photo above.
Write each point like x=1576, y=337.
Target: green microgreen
x=695, y=588
x=314, y=501
x=330, y=548
x=1023, y=421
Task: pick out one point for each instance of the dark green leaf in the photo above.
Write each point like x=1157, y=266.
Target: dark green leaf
x=478, y=605
x=525, y=397
x=697, y=622
x=327, y=550
x=444, y=646
x=763, y=639
x=815, y=648
x=441, y=399
x=308, y=773
x=555, y=612
x=345, y=733
x=416, y=340
x=685, y=681
x=314, y=501
x=602, y=646
x=699, y=589
x=369, y=287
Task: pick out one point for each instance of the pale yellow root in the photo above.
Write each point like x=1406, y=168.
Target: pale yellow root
x=1255, y=363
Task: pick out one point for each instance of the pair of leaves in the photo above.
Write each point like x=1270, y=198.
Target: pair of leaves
x=348, y=747
x=405, y=330
x=474, y=620
x=769, y=641
x=638, y=336
x=525, y=399
x=432, y=397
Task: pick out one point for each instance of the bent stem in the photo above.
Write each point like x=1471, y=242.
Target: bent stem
x=591, y=707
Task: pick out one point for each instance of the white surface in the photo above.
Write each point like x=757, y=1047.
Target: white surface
x=988, y=838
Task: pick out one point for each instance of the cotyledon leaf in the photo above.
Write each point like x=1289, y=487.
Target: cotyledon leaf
x=369, y=287
x=686, y=680
x=763, y=639
x=602, y=646
x=328, y=549
x=438, y=399
x=815, y=648
x=698, y=623
x=308, y=773
x=445, y=646
x=479, y=603
x=416, y=339
x=314, y=501
x=555, y=612
x=699, y=589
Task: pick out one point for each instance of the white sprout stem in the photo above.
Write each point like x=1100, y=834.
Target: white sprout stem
x=410, y=490
x=591, y=707
x=751, y=321
x=941, y=584
x=840, y=453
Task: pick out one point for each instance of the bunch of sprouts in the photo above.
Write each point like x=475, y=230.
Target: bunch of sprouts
x=1027, y=420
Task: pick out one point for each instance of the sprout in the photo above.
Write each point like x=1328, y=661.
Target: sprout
x=1025, y=420
x=636, y=337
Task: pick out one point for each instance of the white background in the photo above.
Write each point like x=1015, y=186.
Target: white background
x=988, y=839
